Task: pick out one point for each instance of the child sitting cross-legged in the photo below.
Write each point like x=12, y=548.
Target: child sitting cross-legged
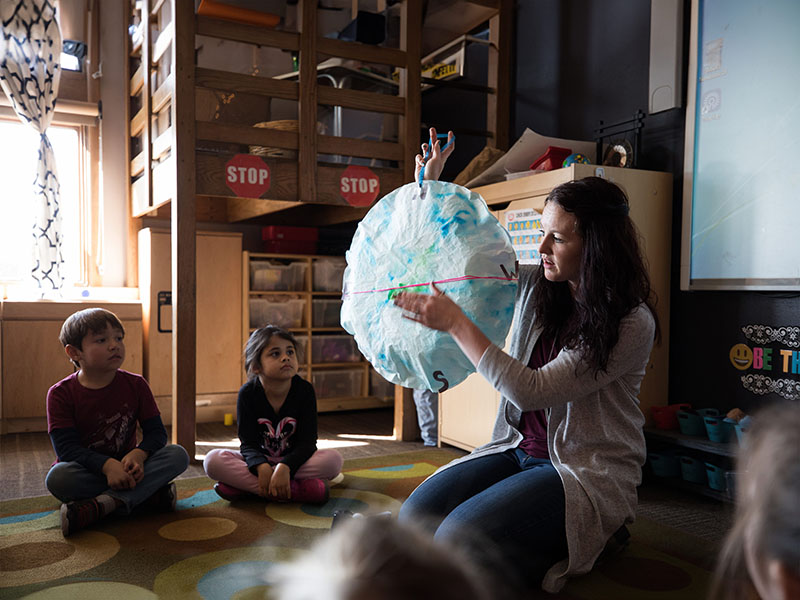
x=92, y=418
x=277, y=426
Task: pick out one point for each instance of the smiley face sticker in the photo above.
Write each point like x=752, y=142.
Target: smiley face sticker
x=741, y=356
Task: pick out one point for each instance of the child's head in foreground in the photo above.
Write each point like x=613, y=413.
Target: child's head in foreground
x=763, y=546
x=90, y=326
x=378, y=558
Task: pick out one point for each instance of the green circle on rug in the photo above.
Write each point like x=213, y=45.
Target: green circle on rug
x=94, y=590
x=181, y=579
x=199, y=528
x=84, y=551
x=299, y=515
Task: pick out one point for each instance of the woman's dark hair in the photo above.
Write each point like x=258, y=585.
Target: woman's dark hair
x=258, y=341
x=613, y=275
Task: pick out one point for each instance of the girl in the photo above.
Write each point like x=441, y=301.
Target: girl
x=558, y=480
x=277, y=426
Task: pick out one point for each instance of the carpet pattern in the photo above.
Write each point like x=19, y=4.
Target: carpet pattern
x=210, y=548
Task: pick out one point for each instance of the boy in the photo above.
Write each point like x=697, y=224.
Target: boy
x=91, y=418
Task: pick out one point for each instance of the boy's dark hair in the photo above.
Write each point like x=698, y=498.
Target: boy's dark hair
x=81, y=323
x=258, y=341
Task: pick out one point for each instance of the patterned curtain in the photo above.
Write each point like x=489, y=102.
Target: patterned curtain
x=29, y=74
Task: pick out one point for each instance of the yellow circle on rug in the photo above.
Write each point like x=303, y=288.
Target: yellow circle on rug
x=200, y=528
x=396, y=471
x=82, y=552
x=94, y=590
x=321, y=516
x=223, y=574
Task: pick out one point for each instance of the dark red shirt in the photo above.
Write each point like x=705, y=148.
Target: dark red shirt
x=533, y=424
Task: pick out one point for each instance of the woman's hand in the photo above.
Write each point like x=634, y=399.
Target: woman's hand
x=439, y=312
x=279, y=485
x=434, y=310
x=437, y=157
x=264, y=478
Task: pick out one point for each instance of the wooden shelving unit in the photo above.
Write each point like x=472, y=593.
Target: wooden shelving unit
x=303, y=324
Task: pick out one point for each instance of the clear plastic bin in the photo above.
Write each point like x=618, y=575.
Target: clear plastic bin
x=334, y=348
x=328, y=274
x=268, y=275
x=326, y=312
x=302, y=348
x=337, y=384
x=282, y=311
x=380, y=387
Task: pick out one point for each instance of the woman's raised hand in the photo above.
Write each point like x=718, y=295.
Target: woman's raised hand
x=434, y=310
x=437, y=157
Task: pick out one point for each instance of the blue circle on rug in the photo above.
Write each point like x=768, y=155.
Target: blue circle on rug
x=225, y=581
x=334, y=504
x=201, y=498
x=394, y=468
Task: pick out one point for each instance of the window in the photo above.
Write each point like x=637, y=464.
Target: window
x=18, y=159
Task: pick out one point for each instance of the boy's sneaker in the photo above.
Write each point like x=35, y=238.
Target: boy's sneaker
x=228, y=492
x=78, y=514
x=338, y=479
x=310, y=491
x=167, y=497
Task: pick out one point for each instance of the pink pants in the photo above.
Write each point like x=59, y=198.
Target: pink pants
x=228, y=466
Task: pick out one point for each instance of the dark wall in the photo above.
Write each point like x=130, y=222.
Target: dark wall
x=582, y=61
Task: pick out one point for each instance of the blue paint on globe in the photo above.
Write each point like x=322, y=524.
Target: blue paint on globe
x=446, y=235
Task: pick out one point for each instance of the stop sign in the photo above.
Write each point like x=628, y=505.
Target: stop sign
x=359, y=186
x=247, y=175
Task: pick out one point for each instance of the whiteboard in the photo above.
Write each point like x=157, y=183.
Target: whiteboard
x=741, y=197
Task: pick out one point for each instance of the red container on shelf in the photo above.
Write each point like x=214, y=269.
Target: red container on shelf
x=666, y=417
x=282, y=239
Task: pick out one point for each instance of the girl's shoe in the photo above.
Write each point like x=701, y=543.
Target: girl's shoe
x=228, y=492
x=310, y=491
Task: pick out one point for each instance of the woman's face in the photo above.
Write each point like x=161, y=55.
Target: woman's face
x=562, y=246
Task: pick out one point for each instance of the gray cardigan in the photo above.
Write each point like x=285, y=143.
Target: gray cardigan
x=594, y=431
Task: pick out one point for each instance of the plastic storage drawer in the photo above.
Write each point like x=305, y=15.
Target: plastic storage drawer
x=302, y=348
x=337, y=384
x=380, y=387
x=325, y=312
x=328, y=274
x=281, y=311
x=334, y=349
x=267, y=275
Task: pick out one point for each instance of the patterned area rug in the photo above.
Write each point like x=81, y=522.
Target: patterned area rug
x=212, y=549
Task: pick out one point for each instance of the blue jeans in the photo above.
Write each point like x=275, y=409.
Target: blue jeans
x=70, y=481
x=427, y=403
x=514, y=500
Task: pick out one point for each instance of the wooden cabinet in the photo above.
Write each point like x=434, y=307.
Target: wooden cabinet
x=33, y=359
x=465, y=419
x=219, y=318
x=302, y=294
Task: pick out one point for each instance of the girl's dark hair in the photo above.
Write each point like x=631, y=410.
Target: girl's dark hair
x=613, y=275
x=258, y=341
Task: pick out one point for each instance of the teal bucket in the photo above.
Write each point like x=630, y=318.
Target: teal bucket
x=693, y=470
x=719, y=429
x=664, y=464
x=716, y=477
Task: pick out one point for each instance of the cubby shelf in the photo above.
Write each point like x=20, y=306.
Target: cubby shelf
x=296, y=272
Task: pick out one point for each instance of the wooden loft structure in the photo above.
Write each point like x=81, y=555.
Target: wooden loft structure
x=174, y=175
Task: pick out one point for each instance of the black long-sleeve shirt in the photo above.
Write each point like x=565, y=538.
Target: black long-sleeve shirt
x=289, y=436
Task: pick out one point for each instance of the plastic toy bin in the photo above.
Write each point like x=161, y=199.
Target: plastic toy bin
x=327, y=274
x=664, y=464
x=326, y=312
x=282, y=311
x=269, y=275
x=691, y=421
x=337, y=384
x=380, y=387
x=333, y=349
x=693, y=470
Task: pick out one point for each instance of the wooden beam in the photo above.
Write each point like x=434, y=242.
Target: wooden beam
x=360, y=100
x=249, y=34
x=307, y=108
x=184, y=226
x=411, y=43
x=363, y=52
x=406, y=428
x=250, y=84
x=210, y=179
x=498, y=105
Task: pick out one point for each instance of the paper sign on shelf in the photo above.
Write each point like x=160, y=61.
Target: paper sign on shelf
x=524, y=226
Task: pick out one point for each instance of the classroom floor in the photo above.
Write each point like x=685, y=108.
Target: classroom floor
x=26, y=457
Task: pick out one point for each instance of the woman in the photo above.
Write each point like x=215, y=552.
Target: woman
x=559, y=477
